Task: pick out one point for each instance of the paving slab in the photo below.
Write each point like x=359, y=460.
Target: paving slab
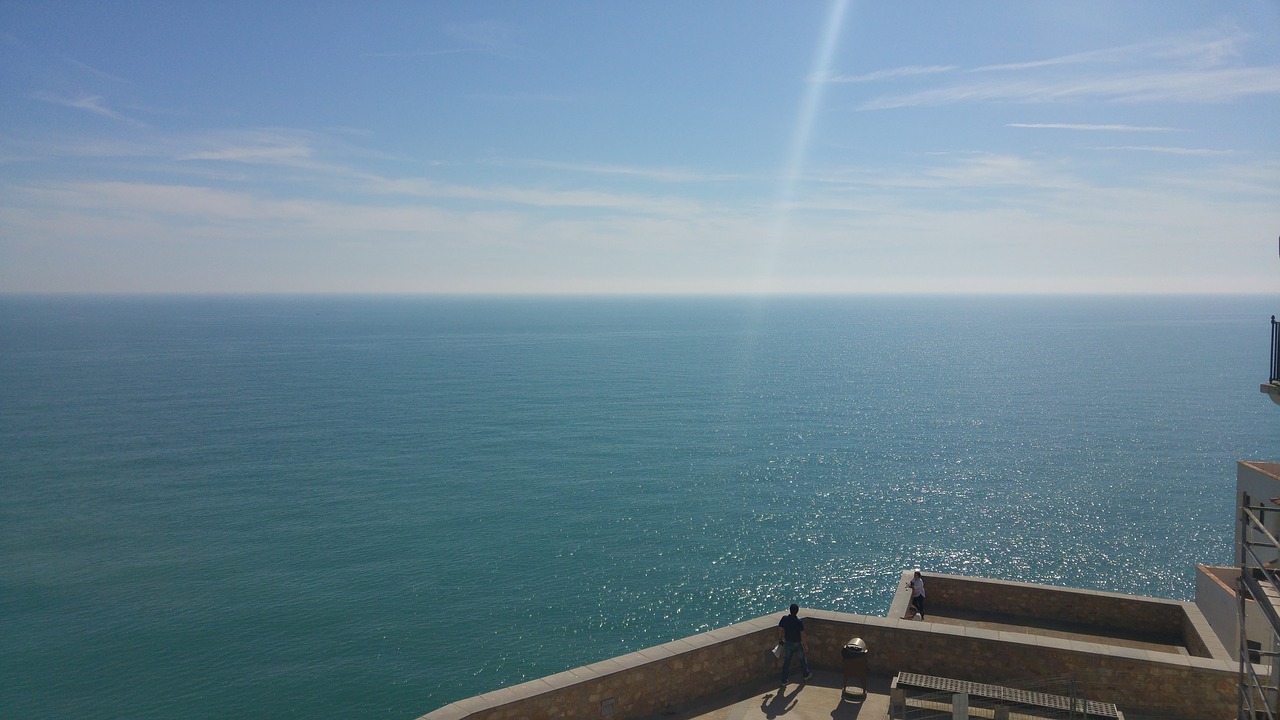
x=821, y=698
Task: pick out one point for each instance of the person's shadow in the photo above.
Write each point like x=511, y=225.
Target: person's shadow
x=779, y=703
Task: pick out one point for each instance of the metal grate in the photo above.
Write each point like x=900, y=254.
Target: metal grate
x=1008, y=694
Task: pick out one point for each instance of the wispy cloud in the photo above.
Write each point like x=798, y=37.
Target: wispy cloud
x=671, y=175
x=95, y=104
x=1085, y=126
x=963, y=172
x=326, y=164
x=418, y=53
x=398, y=242
x=1208, y=48
x=539, y=197
x=329, y=155
x=1207, y=86
x=891, y=74
x=93, y=70
x=489, y=38
x=523, y=97
x=1200, y=152
x=1234, y=181
x=267, y=154
x=1092, y=56
x=1192, y=68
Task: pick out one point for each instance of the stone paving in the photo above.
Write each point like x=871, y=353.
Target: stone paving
x=821, y=698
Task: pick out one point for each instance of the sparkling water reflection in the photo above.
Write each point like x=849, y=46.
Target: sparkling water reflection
x=369, y=508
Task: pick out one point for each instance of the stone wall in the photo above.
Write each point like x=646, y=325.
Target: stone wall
x=1139, y=681
x=647, y=682
x=1132, y=614
x=675, y=675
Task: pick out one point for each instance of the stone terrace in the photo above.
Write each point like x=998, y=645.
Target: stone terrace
x=724, y=674
x=1084, y=615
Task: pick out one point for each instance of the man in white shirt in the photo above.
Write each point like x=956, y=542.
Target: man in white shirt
x=917, y=593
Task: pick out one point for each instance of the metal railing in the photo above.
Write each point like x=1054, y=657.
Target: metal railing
x=1275, y=350
x=1258, y=554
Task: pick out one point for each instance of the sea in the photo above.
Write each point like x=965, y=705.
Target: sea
x=370, y=507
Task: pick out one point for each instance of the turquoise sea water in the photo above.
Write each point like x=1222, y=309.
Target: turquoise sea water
x=368, y=508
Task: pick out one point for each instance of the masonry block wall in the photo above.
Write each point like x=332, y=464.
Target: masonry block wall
x=649, y=682
x=677, y=674
x=1155, y=619
x=1143, y=681
x=1138, y=615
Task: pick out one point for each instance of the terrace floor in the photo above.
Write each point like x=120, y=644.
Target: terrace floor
x=821, y=698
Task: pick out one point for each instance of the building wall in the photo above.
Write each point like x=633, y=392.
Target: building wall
x=1216, y=598
x=1262, y=483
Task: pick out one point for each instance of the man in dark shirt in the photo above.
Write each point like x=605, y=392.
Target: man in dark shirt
x=791, y=636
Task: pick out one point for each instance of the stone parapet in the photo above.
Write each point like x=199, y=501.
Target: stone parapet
x=1139, y=681
x=1160, y=620
x=646, y=682
x=675, y=675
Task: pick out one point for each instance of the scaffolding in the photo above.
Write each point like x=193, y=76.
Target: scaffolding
x=1258, y=586
x=1258, y=589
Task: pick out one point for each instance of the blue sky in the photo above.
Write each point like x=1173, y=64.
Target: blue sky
x=658, y=147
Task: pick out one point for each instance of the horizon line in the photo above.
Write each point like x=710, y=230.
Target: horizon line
x=595, y=294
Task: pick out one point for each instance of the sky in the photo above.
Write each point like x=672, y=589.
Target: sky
x=639, y=148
